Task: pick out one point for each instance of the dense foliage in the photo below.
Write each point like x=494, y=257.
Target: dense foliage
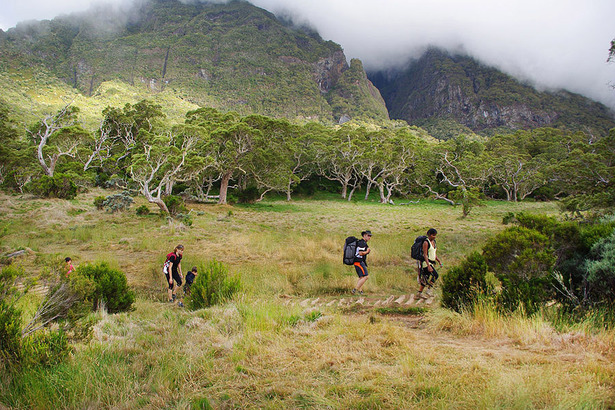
x=212, y=286
x=538, y=261
x=465, y=283
x=213, y=152
x=110, y=287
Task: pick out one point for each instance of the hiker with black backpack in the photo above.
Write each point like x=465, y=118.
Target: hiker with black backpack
x=360, y=260
x=424, y=251
x=173, y=271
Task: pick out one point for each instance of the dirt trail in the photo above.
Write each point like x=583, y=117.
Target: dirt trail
x=570, y=349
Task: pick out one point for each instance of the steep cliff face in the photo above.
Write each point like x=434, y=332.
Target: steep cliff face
x=232, y=56
x=441, y=87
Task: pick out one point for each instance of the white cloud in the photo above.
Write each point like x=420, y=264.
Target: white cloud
x=551, y=43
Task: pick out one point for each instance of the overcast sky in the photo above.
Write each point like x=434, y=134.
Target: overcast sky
x=550, y=43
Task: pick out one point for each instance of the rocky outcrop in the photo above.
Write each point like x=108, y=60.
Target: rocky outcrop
x=328, y=70
x=441, y=86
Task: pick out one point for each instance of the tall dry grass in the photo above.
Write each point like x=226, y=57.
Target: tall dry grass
x=261, y=352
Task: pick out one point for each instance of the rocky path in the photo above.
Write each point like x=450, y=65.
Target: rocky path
x=399, y=301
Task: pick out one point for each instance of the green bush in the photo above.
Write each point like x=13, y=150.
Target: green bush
x=186, y=219
x=522, y=259
x=46, y=348
x=212, y=286
x=118, y=202
x=462, y=285
x=111, y=287
x=601, y=271
x=248, y=195
x=143, y=210
x=175, y=204
x=10, y=334
x=99, y=202
x=59, y=186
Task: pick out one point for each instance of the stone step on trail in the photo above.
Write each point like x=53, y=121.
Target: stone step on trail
x=400, y=299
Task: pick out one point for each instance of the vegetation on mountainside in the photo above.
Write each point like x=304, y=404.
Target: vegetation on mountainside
x=444, y=92
x=231, y=56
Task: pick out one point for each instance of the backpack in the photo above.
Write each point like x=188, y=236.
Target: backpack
x=167, y=264
x=350, y=248
x=416, y=252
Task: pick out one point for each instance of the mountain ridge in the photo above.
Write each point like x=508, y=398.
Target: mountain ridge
x=448, y=93
x=231, y=56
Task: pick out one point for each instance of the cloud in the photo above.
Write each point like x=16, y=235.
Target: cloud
x=550, y=43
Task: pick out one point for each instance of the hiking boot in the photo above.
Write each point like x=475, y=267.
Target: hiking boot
x=180, y=304
x=360, y=292
x=354, y=291
x=171, y=300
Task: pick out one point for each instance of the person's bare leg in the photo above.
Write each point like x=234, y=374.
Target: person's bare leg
x=361, y=282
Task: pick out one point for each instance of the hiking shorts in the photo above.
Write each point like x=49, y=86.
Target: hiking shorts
x=361, y=269
x=427, y=278
x=176, y=278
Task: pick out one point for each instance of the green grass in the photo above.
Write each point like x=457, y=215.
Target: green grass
x=267, y=350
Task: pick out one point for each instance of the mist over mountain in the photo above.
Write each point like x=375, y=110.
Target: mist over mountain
x=236, y=56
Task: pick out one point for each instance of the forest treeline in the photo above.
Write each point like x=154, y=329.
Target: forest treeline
x=214, y=151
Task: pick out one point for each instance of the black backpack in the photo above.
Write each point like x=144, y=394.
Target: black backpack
x=350, y=249
x=416, y=252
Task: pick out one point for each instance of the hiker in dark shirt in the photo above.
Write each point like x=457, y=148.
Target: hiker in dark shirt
x=360, y=261
x=173, y=271
x=190, y=276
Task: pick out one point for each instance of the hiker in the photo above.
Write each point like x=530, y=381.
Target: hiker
x=360, y=261
x=427, y=273
x=173, y=271
x=69, y=265
x=190, y=276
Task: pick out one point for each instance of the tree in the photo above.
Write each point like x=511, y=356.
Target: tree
x=513, y=168
x=118, y=134
x=456, y=165
x=233, y=146
x=338, y=163
x=163, y=158
x=56, y=136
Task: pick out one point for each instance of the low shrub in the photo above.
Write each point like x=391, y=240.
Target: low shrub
x=462, y=285
x=10, y=334
x=143, y=210
x=45, y=348
x=59, y=186
x=601, y=271
x=111, y=287
x=212, y=286
x=118, y=202
x=522, y=260
x=99, y=202
x=186, y=219
x=175, y=204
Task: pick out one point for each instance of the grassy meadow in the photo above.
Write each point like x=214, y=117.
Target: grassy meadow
x=276, y=345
